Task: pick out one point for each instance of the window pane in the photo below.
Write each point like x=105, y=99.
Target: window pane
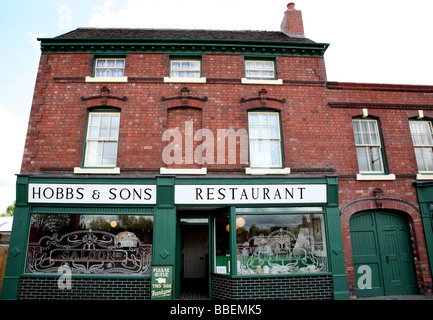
x=175, y=65
x=195, y=65
x=254, y=132
x=274, y=132
x=93, y=132
x=376, y=159
x=115, y=120
x=100, y=63
x=428, y=156
x=280, y=244
x=111, y=63
x=222, y=247
x=274, y=146
x=362, y=159
x=110, y=153
x=100, y=73
x=420, y=159
x=273, y=119
x=263, y=118
x=93, y=153
x=253, y=118
x=90, y=244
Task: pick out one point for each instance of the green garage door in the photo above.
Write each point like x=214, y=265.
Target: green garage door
x=382, y=254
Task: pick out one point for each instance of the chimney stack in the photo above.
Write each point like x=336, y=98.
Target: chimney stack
x=292, y=24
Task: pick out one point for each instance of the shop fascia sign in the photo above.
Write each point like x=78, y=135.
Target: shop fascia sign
x=92, y=193
x=184, y=194
x=250, y=194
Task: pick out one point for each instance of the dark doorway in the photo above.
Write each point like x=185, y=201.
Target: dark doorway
x=195, y=262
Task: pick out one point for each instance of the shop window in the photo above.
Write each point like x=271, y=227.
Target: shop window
x=90, y=244
x=422, y=138
x=264, y=139
x=102, y=139
x=222, y=247
x=280, y=244
x=368, y=146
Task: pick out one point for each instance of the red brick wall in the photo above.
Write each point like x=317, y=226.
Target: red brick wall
x=316, y=123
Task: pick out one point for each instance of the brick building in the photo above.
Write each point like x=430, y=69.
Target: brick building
x=224, y=158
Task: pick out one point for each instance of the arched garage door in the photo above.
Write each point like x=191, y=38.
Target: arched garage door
x=382, y=254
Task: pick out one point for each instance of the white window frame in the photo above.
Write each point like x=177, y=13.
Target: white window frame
x=100, y=139
x=110, y=77
x=267, y=80
x=257, y=69
x=427, y=137
x=111, y=69
x=185, y=79
x=269, y=138
x=367, y=146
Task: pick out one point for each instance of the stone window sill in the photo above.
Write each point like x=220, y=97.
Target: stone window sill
x=97, y=170
x=277, y=82
x=258, y=171
x=375, y=177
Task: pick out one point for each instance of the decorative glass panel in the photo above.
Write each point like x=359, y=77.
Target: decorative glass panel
x=90, y=244
x=280, y=244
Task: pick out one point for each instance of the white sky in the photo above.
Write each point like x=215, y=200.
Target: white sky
x=380, y=41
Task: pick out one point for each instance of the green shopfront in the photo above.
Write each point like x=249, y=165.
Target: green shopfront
x=240, y=238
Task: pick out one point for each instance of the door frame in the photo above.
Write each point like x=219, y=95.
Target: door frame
x=196, y=213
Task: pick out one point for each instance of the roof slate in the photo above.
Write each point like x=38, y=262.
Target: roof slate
x=130, y=33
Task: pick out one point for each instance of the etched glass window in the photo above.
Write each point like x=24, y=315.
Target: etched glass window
x=110, y=67
x=422, y=138
x=90, y=244
x=264, y=139
x=259, y=70
x=102, y=139
x=281, y=244
x=185, y=69
x=368, y=146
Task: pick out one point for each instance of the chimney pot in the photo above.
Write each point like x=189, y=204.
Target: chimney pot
x=291, y=6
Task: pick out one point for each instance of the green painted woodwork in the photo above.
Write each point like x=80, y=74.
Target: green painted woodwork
x=381, y=241
x=335, y=241
x=167, y=233
x=425, y=198
x=183, y=46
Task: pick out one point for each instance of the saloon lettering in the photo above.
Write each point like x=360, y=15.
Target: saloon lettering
x=59, y=193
